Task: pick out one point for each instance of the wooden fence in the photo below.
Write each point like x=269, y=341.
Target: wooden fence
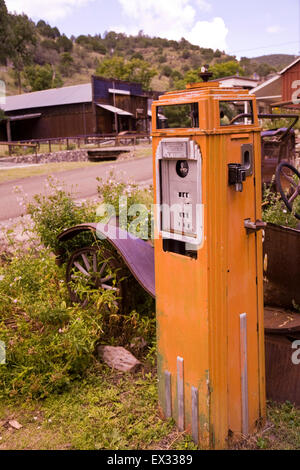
x=68, y=143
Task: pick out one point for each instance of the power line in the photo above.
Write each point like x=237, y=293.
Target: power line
x=266, y=47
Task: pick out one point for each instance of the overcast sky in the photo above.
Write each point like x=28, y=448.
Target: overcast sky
x=243, y=28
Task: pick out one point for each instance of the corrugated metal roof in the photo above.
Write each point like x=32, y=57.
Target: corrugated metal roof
x=54, y=97
x=113, y=109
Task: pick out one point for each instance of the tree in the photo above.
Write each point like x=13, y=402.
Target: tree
x=4, y=32
x=43, y=56
x=248, y=66
x=265, y=69
x=226, y=69
x=110, y=39
x=3, y=117
x=135, y=70
x=66, y=64
x=141, y=72
x=65, y=44
x=113, y=68
x=46, y=30
x=167, y=71
x=191, y=76
x=22, y=41
x=218, y=54
x=50, y=44
x=93, y=43
x=186, y=54
x=42, y=77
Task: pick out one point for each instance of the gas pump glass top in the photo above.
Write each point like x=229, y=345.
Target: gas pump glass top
x=179, y=116
x=236, y=113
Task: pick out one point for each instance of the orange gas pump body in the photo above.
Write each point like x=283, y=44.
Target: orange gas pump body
x=210, y=331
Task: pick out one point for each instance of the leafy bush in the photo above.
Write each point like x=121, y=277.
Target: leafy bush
x=42, y=77
x=275, y=211
x=49, y=341
x=139, y=201
x=20, y=151
x=56, y=211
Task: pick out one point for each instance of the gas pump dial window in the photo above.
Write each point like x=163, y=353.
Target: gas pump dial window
x=236, y=113
x=179, y=116
x=182, y=168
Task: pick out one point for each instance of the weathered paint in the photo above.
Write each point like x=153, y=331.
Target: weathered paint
x=199, y=302
x=289, y=77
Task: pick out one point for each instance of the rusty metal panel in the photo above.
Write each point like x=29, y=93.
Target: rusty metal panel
x=281, y=322
x=282, y=376
x=282, y=266
x=137, y=254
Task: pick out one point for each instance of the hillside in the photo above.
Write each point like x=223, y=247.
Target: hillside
x=278, y=61
x=50, y=59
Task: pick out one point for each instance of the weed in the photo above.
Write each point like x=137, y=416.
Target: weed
x=57, y=211
x=275, y=211
x=49, y=341
x=128, y=199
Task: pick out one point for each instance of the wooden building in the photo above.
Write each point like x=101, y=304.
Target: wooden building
x=100, y=107
x=290, y=84
x=281, y=90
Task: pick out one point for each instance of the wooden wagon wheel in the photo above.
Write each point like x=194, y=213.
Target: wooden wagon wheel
x=98, y=269
x=288, y=184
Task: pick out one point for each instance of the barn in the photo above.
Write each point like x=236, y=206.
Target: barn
x=102, y=106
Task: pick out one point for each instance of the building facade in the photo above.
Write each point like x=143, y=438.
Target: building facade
x=100, y=107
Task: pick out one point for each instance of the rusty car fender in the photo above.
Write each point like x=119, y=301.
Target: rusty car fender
x=137, y=254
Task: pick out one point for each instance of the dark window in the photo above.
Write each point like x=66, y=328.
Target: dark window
x=233, y=113
x=179, y=116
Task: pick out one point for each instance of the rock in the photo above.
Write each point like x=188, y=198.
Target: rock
x=119, y=358
x=15, y=424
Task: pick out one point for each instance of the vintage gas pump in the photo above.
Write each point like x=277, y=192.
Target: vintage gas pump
x=208, y=262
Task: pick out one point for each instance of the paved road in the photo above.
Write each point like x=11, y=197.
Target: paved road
x=81, y=181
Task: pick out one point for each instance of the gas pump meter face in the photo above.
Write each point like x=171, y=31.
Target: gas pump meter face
x=179, y=192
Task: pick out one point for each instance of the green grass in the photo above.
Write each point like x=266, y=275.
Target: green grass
x=281, y=432
x=114, y=411
x=108, y=410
